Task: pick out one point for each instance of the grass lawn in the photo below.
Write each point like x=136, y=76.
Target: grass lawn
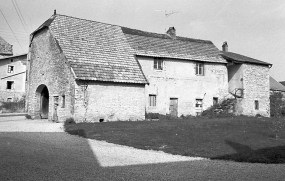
x=238, y=139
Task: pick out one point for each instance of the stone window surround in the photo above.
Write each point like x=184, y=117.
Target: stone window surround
x=199, y=69
x=152, y=100
x=158, y=64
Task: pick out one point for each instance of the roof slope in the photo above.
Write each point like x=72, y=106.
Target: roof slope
x=5, y=48
x=161, y=45
x=96, y=51
x=241, y=58
x=283, y=83
x=276, y=86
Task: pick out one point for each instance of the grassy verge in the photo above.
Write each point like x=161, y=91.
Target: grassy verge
x=238, y=139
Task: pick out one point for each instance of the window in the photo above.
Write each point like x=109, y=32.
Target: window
x=256, y=105
x=152, y=100
x=10, y=69
x=12, y=60
x=198, y=103
x=9, y=99
x=199, y=68
x=215, y=100
x=158, y=64
x=63, y=101
x=10, y=85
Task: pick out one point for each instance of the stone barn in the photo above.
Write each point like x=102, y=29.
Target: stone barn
x=84, y=70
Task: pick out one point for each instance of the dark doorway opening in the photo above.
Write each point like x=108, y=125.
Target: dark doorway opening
x=44, y=103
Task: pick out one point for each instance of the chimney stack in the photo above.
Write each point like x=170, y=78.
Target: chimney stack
x=225, y=46
x=171, y=32
x=54, y=12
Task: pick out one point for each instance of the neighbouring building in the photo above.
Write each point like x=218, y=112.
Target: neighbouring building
x=248, y=83
x=94, y=71
x=12, y=77
x=282, y=82
x=12, y=73
x=276, y=86
x=5, y=48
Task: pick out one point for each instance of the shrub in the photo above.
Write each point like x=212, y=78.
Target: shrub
x=69, y=121
x=220, y=110
x=28, y=116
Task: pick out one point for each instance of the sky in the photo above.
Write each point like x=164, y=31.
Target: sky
x=254, y=28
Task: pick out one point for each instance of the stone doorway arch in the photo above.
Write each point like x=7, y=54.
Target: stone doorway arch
x=42, y=107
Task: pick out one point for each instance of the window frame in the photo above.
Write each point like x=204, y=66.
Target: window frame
x=215, y=100
x=156, y=63
x=199, y=68
x=198, y=103
x=152, y=100
x=11, y=69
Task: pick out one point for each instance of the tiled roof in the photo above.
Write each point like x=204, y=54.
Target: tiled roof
x=96, y=51
x=5, y=48
x=161, y=45
x=241, y=58
x=276, y=86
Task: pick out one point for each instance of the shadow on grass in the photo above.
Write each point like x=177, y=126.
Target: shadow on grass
x=78, y=132
x=271, y=155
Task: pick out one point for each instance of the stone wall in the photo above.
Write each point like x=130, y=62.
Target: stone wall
x=178, y=80
x=108, y=101
x=256, y=88
x=47, y=66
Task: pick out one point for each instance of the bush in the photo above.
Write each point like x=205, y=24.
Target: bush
x=277, y=105
x=69, y=121
x=221, y=110
x=28, y=116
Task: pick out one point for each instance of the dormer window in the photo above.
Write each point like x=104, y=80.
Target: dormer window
x=199, y=69
x=158, y=64
x=10, y=69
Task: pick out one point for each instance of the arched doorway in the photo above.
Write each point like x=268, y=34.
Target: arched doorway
x=43, y=101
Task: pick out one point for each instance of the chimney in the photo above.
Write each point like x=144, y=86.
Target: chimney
x=54, y=12
x=171, y=32
x=225, y=46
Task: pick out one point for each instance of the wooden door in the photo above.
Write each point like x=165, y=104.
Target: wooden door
x=173, y=107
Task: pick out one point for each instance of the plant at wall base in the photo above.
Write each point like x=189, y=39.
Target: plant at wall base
x=28, y=116
x=85, y=99
x=277, y=112
x=221, y=109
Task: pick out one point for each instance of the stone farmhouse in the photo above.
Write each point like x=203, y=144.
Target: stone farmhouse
x=94, y=71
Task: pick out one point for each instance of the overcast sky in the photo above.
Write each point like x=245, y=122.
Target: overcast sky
x=254, y=28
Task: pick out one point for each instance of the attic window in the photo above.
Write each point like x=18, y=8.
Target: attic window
x=12, y=60
x=158, y=64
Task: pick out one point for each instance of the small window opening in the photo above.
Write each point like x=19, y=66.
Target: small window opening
x=12, y=60
x=9, y=99
x=256, y=105
x=10, y=85
x=10, y=69
x=101, y=120
x=215, y=100
x=63, y=101
x=152, y=100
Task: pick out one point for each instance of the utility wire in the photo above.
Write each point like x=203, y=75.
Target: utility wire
x=11, y=29
x=19, y=16
x=22, y=16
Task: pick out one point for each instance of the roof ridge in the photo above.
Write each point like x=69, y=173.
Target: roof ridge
x=87, y=20
x=165, y=35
